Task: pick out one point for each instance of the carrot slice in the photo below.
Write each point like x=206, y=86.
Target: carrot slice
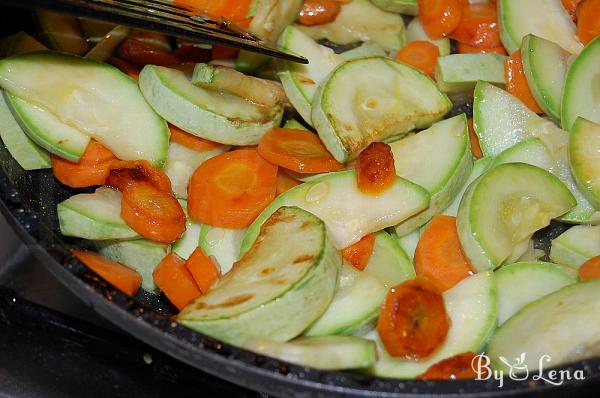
x=93, y=167
x=421, y=54
x=478, y=26
x=458, y=367
x=439, y=256
x=154, y=214
x=285, y=182
x=588, y=20
x=590, y=269
x=141, y=54
x=571, y=7
x=413, y=322
x=516, y=82
x=175, y=281
x=126, y=172
x=204, y=271
x=440, y=17
x=475, y=147
x=230, y=190
x=359, y=253
x=125, y=279
x=375, y=170
x=466, y=49
x=233, y=10
x=318, y=12
x=297, y=150
x=125, y=67
x=191, y=141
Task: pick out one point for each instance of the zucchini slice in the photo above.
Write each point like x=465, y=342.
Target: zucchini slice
x=408, y=7
x=479, y=167
x=446, y=146
x=188, y=242
x=19, y=43
x=504, y=207
x=389, y=262
x=357, y=302
x=27, y=153
x=561, y=327
x=581, y=96
x=367, y=49
x=348, y=213
x=62, y=32
x=94, y=216
x=519, y=284
x=576, y=245
x=212, y=115
x=458, y=73
x=531, y=151
x=141, y=255
x=300, y=82
x=584, y=157
x=360, y=20
x=471, y=307
x=415, y=31
x=326, y=352
x=95, y=98
x=370, y=99
x=282, y=285
x=222, y=243
x=545, y=64
x=547, y=19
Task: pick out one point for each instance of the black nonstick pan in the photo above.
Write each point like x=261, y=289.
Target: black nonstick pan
x=28, y=201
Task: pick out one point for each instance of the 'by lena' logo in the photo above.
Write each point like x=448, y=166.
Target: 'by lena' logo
x=518, y=369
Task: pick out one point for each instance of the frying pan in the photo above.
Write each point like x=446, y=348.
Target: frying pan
x=28, y=201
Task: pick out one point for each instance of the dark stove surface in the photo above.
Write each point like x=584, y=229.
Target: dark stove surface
x=53, y=346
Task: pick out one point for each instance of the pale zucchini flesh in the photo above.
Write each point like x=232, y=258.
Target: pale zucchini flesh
x=471, y=307
x=215, y=116
x=223, y=244
x=326, y=352
x=358, y=214
x=415, y=32
x=504, y=207
x=367, y=49
x=188, y=242
x=281, y=286
x=584, y=158
x=559, y=328
x=370, y=99
x=458, y=73
x=521, y=283
x=408, y=7
x=576, y=245
x=531, y=151
x=389, y=262
x=479, y=167
x=95, y=98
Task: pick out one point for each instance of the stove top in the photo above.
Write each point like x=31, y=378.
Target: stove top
x=54, y=346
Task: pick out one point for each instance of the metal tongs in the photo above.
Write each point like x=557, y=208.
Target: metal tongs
x=165, y=17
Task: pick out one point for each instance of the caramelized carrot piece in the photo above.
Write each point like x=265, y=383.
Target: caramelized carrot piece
x=297, y=150
x=458, y=367
x=375, y=170
x=422, y=55
x=175, y=281
x=93, y=167
x=516, y=82
x=588, y=20
x=475, y=147
x=439, y=256
x=413, y=322
x=571, y=7
x=230, y=190
x=466, y=49
x=590, y=269
x=125, y=67
x=285, y=182
x=125, y=279
x=478, y=26
x=440, y=17
x=318, y=12
x=141, y=54
x=126, y=172
x=191, y=141
x=359, y=253
x=204, y=271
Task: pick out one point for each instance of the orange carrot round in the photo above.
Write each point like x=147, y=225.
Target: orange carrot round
x=359, y=253
x=475, y=146
x=125, y=279
x=478, y=26
x=93, y=167
x=204, y=271
x=458, y=367
x=516, y=82
x=413, y=322
x=466, y=49
x=141, y=54
x=175, y=281
x=375, y=170
x=297, y=150
x=571, y=7
x=191, y=141
x=590, y=269
x=318, y=12
x=420, y=54
x=231, y=189
x=440, y=17
x=588, y=20
x=439, y=256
